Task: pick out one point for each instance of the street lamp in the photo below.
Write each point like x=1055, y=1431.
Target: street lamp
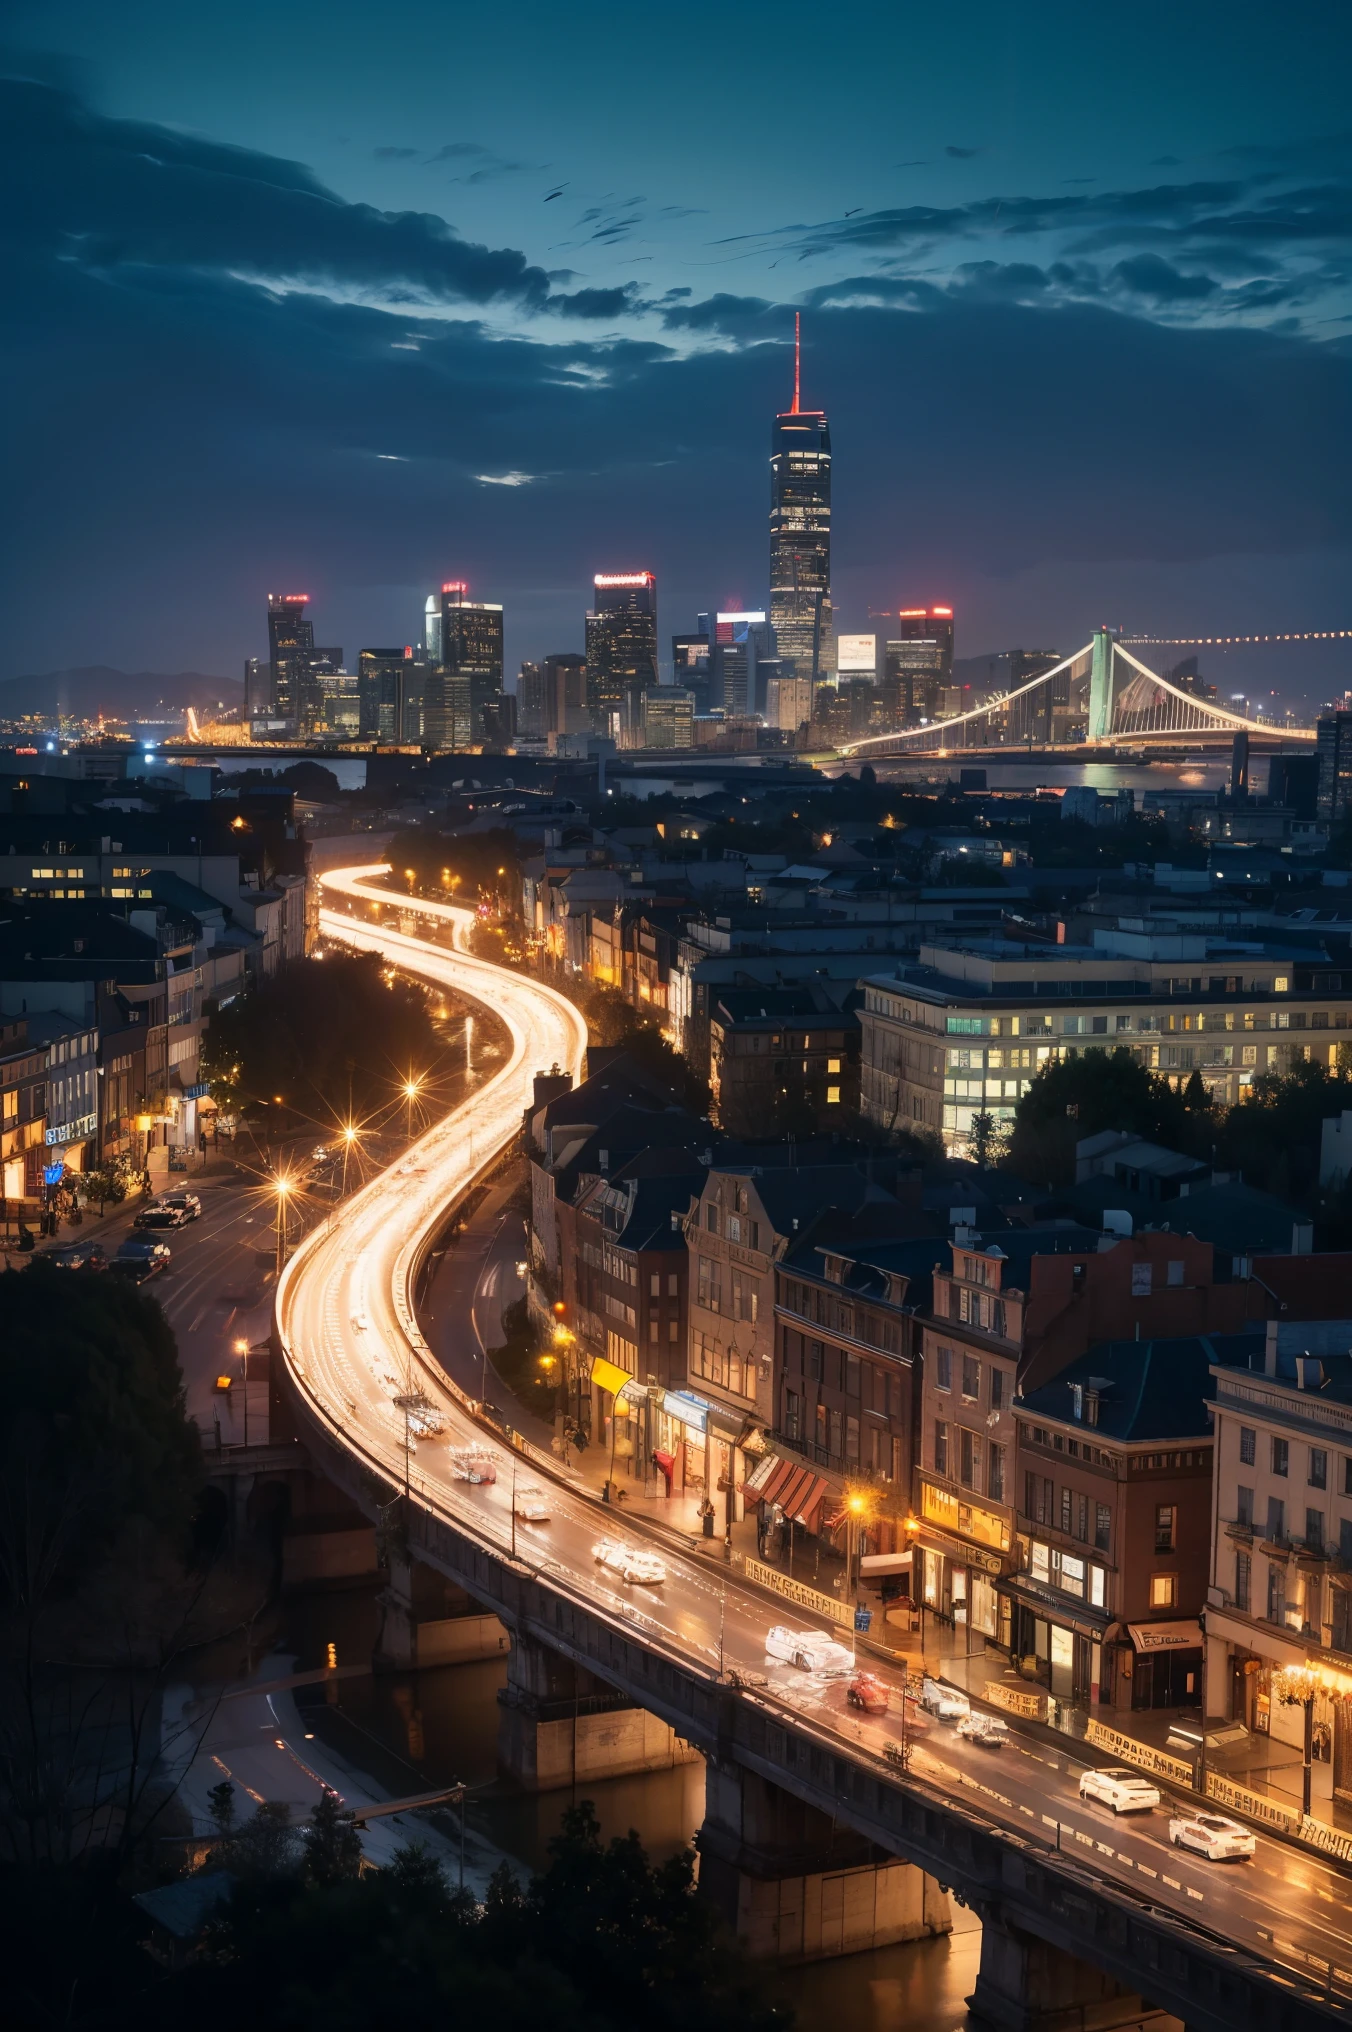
x=412, y=1088
x=282, y=1187
x=1296, y=1686
x=242, y=1350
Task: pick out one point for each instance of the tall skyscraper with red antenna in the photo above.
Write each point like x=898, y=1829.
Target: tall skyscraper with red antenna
x=800, y=534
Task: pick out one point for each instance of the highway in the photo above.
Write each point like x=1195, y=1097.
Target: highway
x=349, y=1333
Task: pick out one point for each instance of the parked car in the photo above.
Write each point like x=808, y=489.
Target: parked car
x=76, y=1256
x=809, y=1650
x=530, y=1505
x=190, y=1203
x=469, y=1465
x=159, y=1214
x=947, y=1703
x=1126, y=1791
x=990, y=1731
x=867, y=1692
x=1212, y=1836
x=629, y=1562
x=140, y=1256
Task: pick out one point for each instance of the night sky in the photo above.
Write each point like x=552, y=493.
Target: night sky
x=289, y=308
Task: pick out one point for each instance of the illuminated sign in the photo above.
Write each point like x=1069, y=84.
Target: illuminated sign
x=946, y=612
x=72, y=1132
x=753, y=620
x=969, y=1520
x=408, y=652
x=625, y=578
x=455, y=586
x=857, y=652
x=292, y=599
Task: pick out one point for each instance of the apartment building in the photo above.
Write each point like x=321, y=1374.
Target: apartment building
x=966, y=1029
x=1113, y=1485
x=1013, y=1313
x=783, y=1061
x=1280, y=1593
x=23, y=1116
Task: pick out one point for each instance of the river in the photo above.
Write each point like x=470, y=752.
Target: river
x=412, y=1731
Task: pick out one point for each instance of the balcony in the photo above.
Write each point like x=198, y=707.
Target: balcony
x=1240, y=1529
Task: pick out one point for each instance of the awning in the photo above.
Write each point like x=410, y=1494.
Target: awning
x=886, y=1562
x=798, y=1492
x=609, y=1375
x=1183, y=1636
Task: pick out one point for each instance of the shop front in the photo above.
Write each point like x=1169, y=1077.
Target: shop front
x=1061, y=1648
x=962, y=1550
x=792, y=1498
x=679, y=1432
x=1159, y=1665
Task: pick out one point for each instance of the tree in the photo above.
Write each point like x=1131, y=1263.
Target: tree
x=221, y=1806
x=1075, y=1097
x=332, y=1845
x=1273, y=1135
x=264, y=1848
x=984, y=1138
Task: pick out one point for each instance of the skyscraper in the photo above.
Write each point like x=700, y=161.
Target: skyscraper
x=291, y=643
x=465, y=668
x=621, y=641
x=741, y=642
x=918, y=664
x=383, y=693
x=800, y=534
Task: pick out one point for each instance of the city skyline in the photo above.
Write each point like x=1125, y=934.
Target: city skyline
x=336, y=343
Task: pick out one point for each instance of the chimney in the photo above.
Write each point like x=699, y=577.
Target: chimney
x=1270, y=1351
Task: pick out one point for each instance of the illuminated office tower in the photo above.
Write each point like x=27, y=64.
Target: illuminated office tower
x=621, y=642
x=741, y=642
x=800, y=535
x=291, y=643
x=918, y=664
x=383, y=688
x=464, y=674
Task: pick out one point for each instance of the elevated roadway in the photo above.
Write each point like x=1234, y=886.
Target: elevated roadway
x=1263, y=1943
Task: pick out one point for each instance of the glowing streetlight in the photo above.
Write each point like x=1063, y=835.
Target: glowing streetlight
x=282, y=1187
x=412, y=1088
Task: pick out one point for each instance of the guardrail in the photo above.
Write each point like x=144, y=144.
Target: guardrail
x=796, y=1591
x=1016, y=1700
x=1132, y=1751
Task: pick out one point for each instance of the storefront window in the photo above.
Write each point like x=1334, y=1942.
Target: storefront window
x=1071, y=1576
x=1039, y=1562
x=1097, y=1586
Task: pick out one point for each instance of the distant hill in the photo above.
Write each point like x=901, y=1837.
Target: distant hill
x=117, y=694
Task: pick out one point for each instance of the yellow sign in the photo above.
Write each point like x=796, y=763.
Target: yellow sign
x=609, y=1375
x=1133, y=1751
x=1017, y=1700
x=969, y=1520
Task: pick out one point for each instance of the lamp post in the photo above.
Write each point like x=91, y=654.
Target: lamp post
x=412, y=1088
x=242, y=1350
x=349, y=1138
x=1296, y=1686
x=282, y=1187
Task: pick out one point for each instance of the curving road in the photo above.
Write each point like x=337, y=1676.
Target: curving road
x=348, y=1330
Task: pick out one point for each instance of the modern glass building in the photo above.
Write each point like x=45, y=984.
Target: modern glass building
x=291, y=644
x=917, y=665
x=465, y=672
x=621, y=641
x=800, y=536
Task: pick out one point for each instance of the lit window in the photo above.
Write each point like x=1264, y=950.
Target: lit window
x=833, y=1065
x=1162, y=1587
x=833, y=1097
x=1281, y=984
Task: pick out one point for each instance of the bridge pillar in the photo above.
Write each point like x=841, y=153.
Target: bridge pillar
x=1101, y=687
x=1026, y=1985
x=795, y=1887
x=427, y=1620
x=560, y=1726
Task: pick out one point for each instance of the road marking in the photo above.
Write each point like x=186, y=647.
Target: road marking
x=1048, y=1820
x=1146, y=1870
x=1103, y=1848
x=1126, y=1862
x=1194, y=1894
x=1087, y=1839
x=1173, y=1883
x=1029, y=1811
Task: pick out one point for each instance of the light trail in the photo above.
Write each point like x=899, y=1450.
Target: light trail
x=349, y=1335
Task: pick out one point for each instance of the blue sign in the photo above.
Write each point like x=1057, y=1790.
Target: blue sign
x=196, y=1093
x=862, y=1619
x=52, y=1174
x=688, y=1409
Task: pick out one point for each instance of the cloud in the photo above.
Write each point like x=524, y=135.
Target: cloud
x=1151, y=275
x=597, y=303
x=393, y=154
x=456, y=151
x=961, y=154
x=506, y=479
x=123, y=195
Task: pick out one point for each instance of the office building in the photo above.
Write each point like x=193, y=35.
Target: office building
x=465, y=674
x=668, y=717
x=788, y=703
x=382, y=689
x=291, y=642
x=857, y=656
x=741, y=641
x=918, y=665
x=1333, y=747
x=800, y=536
x=1055, y=712
x=968, y=1028
x=621, y=642
x=339, y=716
x=690, y=663
x=257, y=687
x=532, y=719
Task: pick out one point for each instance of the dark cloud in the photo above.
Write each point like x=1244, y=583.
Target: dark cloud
x=732, y=314
x=122, y=194
x=597, y=303
x=962, y=154
x=456, y=151
x=1150, y=275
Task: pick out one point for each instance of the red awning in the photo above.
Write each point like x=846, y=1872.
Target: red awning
x=799, y=1493
x=764, y=1470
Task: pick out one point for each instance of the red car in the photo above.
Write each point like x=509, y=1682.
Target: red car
x=866, y=1691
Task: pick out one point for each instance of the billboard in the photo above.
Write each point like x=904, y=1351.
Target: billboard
x=857, y=655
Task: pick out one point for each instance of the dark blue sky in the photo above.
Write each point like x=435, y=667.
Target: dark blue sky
x=288, y=308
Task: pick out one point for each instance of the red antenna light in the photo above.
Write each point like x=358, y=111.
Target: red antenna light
x=797, y=358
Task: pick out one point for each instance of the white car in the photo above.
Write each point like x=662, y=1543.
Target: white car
x=991, y=1731
x=1212, y=1836
x=1125, y=1791
x=809, y=1650
x=469, y=1466
x=530, y=1505
x=947, y=1702
x=629, y=1562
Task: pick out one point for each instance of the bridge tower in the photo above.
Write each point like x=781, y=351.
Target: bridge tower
x=1101, y=686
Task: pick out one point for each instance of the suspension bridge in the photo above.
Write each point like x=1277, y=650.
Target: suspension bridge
x=1101, y=698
